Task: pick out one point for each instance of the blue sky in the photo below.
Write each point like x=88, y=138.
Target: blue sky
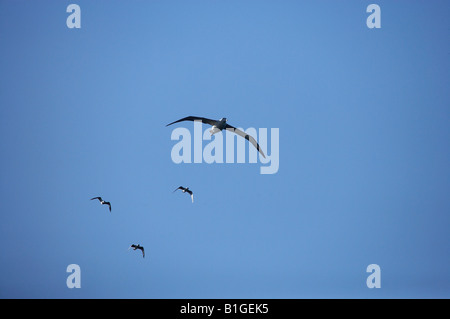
x=364, y=176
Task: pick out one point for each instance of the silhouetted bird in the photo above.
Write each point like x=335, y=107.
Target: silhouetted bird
x=103, y=202
x=138, y=247
x=186, y=190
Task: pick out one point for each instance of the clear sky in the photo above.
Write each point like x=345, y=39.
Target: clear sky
x=364, y=149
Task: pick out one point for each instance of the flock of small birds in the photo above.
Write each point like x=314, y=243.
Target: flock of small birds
x=138, y=246
x=216, y=127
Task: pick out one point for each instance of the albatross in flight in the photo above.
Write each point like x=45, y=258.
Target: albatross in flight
x=103, y=202
x=186, y=190
x=138, y=247
x=218, y=126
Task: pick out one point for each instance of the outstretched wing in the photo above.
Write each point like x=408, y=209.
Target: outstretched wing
x=190, y=193
x=195, y=118
x=143, y=252
x=246, y=136
x=180, y=187
x=109, y=204
x=99, y=198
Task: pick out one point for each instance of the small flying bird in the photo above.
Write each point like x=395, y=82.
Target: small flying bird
x=138, y=247
x=185, y=190
x=218, y=126
x=103, y=202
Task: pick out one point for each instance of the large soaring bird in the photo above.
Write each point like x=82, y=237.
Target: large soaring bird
x=185, y=190
x=218, y=126
x=103, y=202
